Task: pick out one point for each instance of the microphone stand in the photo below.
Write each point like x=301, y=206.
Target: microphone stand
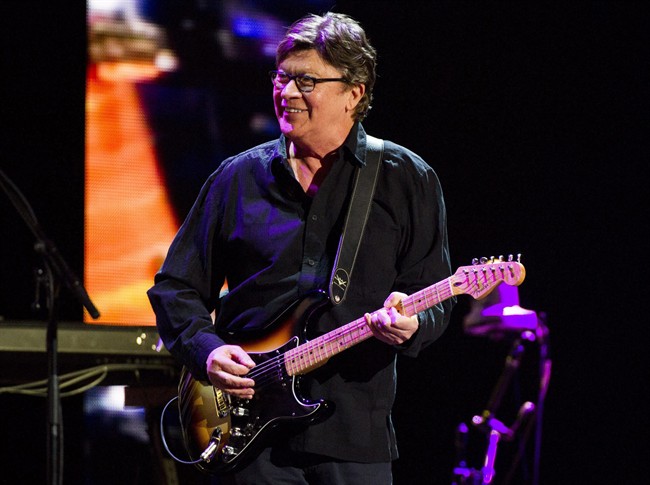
x=57, y=271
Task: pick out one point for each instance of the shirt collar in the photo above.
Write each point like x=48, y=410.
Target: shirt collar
x=353, y=148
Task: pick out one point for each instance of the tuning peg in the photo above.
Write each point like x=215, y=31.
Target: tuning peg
x=493, y=259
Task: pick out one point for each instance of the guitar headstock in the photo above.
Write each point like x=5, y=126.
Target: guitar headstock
x=484, y=275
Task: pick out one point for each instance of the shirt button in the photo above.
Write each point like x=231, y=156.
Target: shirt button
x=311, y=262
x=314, y=217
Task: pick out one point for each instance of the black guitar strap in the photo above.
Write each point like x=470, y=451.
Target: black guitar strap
x=355, y=221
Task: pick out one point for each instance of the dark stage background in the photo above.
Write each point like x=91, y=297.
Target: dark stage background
x=534, y=116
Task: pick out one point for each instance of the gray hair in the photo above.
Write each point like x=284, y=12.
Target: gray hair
x=340, y=41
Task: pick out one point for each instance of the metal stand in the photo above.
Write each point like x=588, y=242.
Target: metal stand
x=496, y=430
x=56, y=271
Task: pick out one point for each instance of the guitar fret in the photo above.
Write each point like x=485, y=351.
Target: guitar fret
x=439, y=299
x=309, y=355
x=422, y=300
x=426, y=302
x=301, y=359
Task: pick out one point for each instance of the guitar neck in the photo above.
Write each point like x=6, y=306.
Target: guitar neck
x=315, y=353
x=427, y=298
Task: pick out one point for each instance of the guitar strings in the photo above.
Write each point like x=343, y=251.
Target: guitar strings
x=272, y=369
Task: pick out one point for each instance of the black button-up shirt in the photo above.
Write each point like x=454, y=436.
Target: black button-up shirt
x=254, y=228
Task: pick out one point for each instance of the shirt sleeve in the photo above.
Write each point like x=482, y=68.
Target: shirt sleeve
x=425, y=256
x=186, y=288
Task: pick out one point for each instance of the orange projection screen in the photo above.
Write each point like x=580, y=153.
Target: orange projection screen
x=129, y=222
x=172, y=88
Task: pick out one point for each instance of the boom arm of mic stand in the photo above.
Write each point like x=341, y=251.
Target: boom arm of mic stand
x=45, y=248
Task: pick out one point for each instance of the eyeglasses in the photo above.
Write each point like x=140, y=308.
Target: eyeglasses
x=305, y=84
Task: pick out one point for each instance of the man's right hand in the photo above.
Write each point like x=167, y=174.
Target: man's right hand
x=226, y=366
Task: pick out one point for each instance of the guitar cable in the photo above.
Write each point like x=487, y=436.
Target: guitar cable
x=206, y=456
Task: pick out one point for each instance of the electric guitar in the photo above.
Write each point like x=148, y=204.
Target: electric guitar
x=223, y=433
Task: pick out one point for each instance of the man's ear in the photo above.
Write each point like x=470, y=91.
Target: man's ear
x=355, y=95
